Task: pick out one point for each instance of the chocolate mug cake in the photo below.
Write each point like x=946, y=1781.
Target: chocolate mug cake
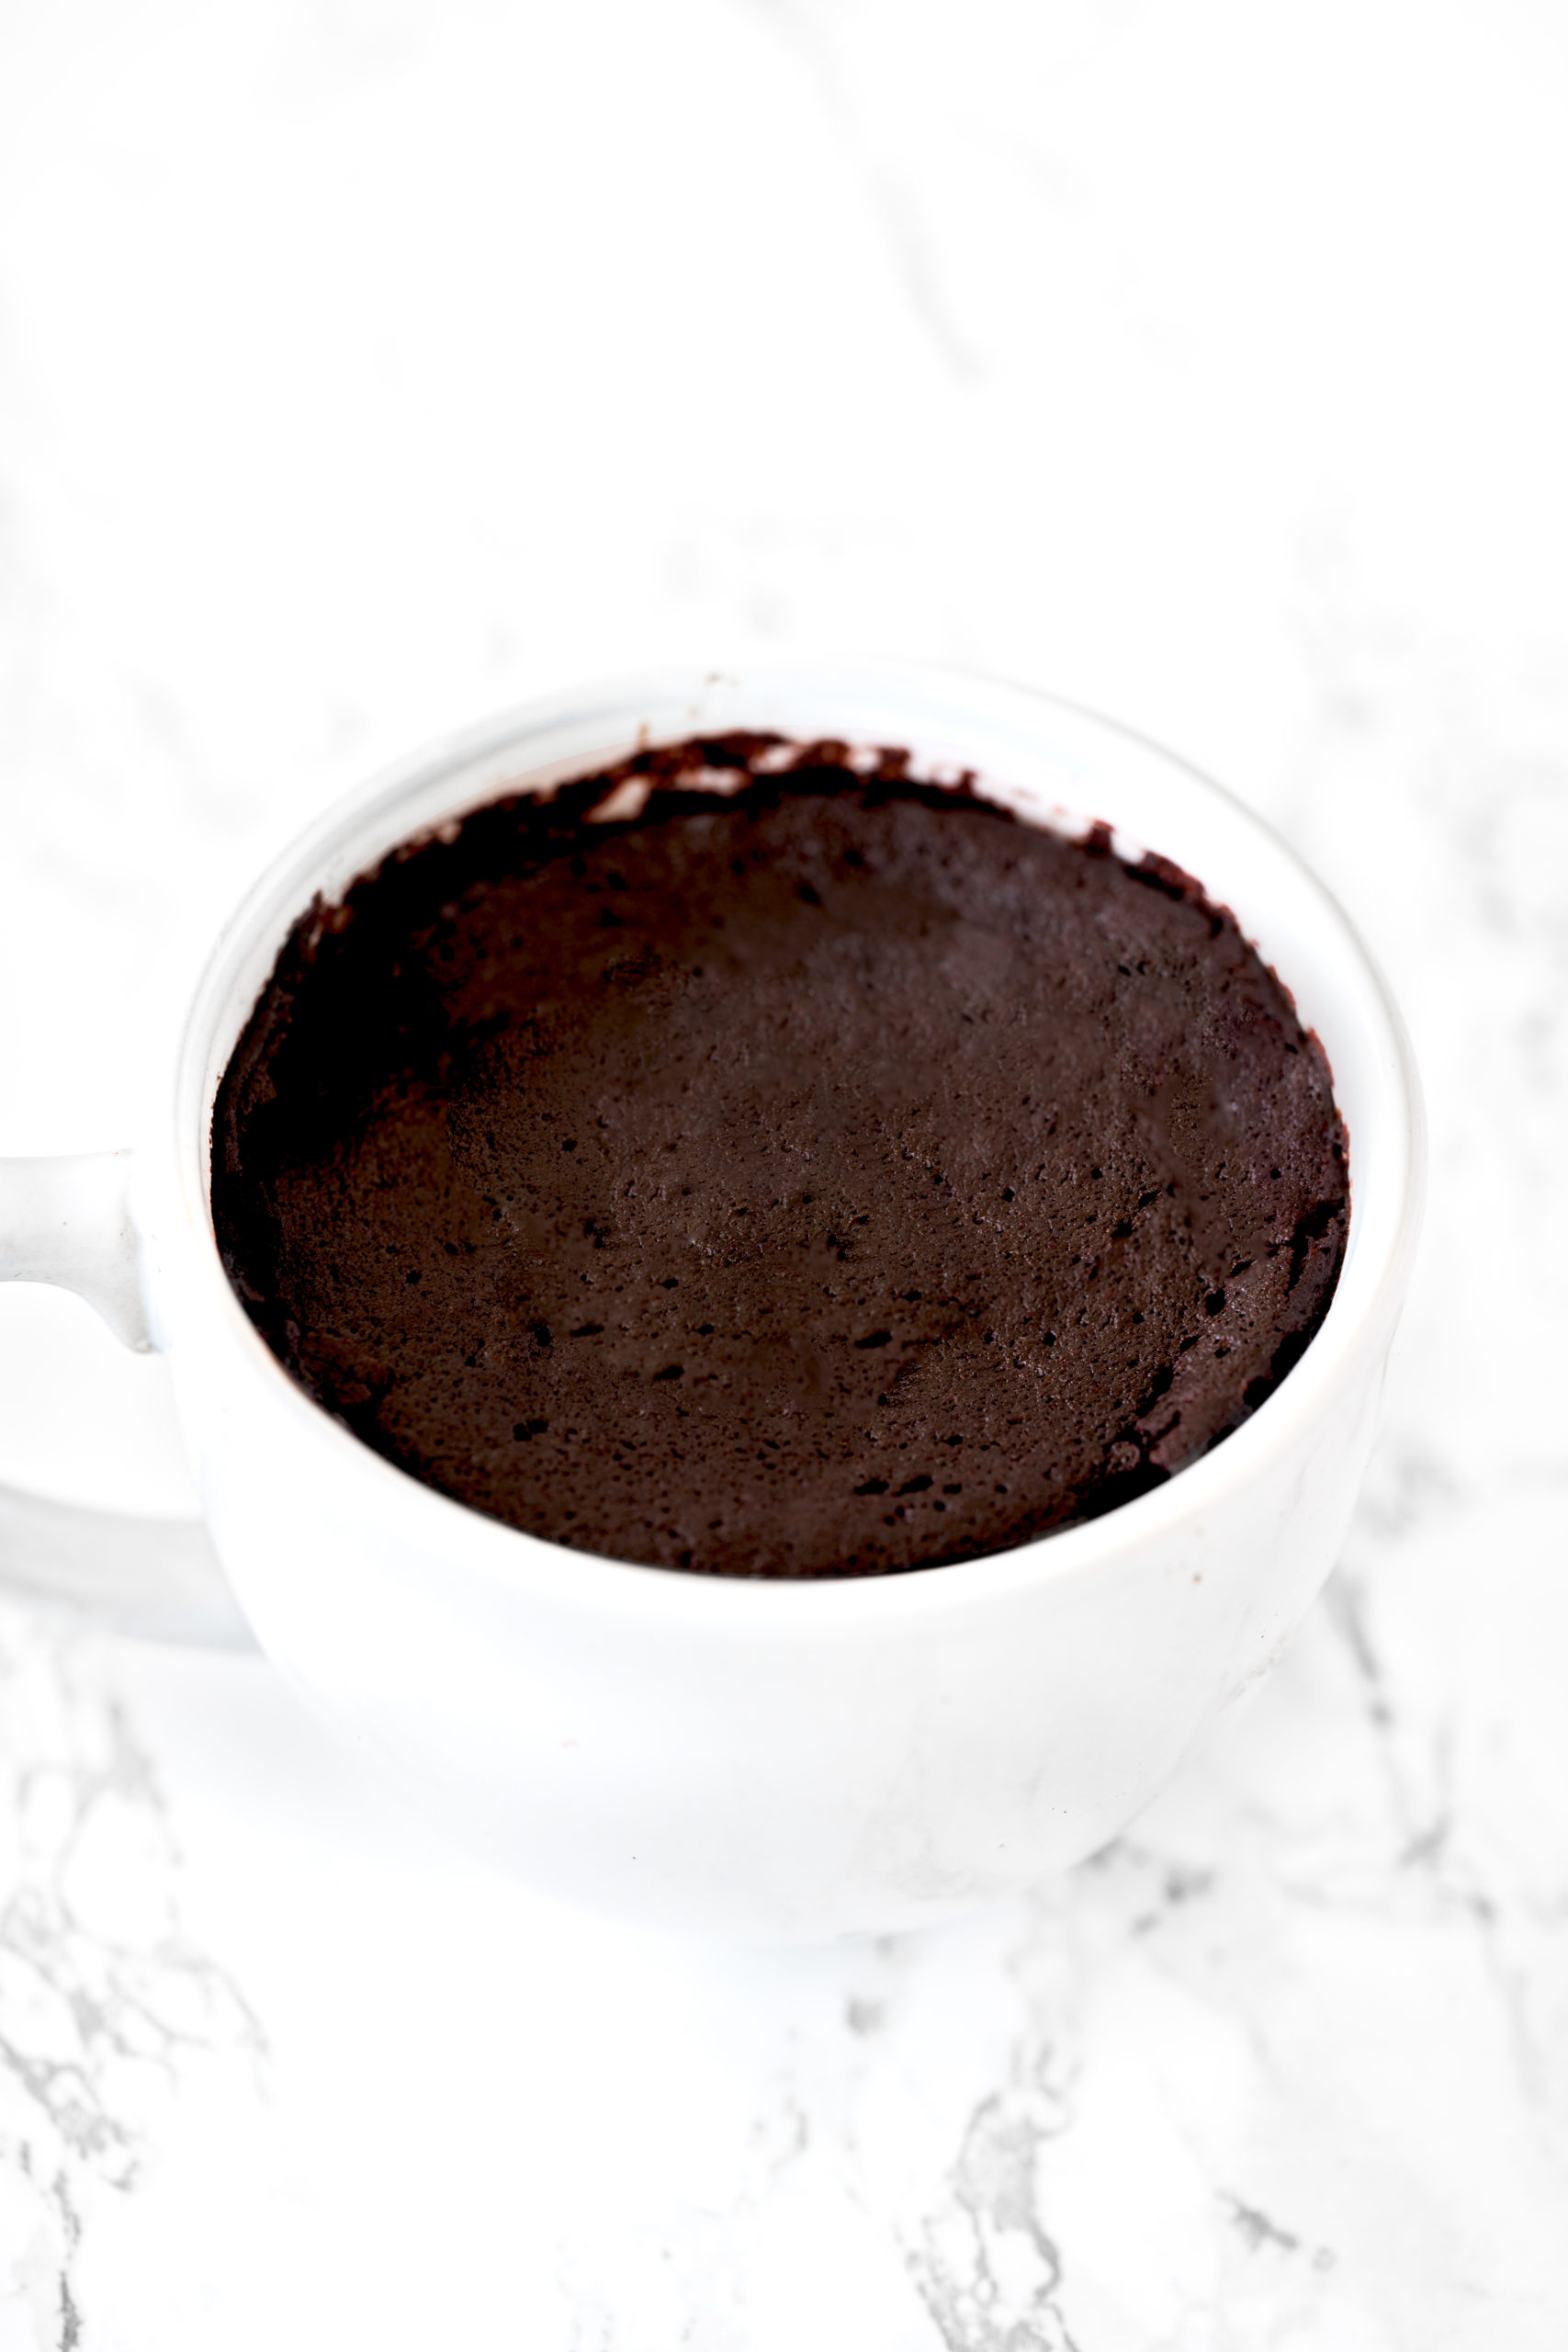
x=754, y=1159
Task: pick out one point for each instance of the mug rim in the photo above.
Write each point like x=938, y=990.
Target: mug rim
x=594, y=1581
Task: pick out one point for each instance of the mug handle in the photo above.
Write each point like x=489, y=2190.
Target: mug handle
x=67, y=1221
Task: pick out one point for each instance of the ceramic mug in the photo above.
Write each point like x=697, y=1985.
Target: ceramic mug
x=764, y=1760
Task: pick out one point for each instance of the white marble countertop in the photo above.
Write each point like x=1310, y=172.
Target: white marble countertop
x=368, y=364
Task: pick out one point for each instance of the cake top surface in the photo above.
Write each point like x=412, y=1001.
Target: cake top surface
x=829, y=1176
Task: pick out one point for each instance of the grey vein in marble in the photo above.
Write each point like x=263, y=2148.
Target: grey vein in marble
x=106, y=2001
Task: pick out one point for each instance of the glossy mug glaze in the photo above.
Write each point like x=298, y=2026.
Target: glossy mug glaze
x=777, y=1761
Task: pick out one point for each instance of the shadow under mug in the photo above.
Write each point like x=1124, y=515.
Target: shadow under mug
x=778, y=1761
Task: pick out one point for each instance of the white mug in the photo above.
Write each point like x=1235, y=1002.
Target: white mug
x=769, y=1761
